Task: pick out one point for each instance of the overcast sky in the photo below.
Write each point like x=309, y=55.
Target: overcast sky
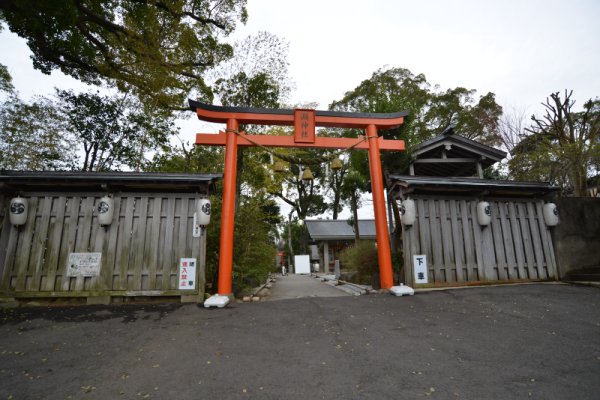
x=520, y=50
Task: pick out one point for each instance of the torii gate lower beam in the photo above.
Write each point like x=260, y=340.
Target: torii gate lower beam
x=304, y=122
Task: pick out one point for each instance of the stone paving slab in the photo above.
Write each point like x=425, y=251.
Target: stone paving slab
x=298, y=286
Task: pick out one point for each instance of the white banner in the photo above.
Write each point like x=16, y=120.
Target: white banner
x=83, y=264
x=420, y=268
x=187, y=273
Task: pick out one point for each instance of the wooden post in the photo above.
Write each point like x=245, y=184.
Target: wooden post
x=383, y=240
x=228, y=211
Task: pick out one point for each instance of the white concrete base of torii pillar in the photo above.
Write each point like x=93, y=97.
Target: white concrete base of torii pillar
x=216, y=300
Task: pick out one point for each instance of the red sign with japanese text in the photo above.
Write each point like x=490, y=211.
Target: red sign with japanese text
x=304, y=126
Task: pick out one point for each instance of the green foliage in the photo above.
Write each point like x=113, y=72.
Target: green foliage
x=430, y=111
x=352, y=186
x=474, y=120
x=254, y=244
x=197, y=159
x=298, y=235
x=562, y=147
x=305, y=197
x=362, y=259
x=32, y=137
x=5, y=80
x=257, y=74
x=158, y=50
x=113, y=131
x=259, y=90
x=253, y=247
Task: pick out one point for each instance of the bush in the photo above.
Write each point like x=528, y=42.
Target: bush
x=361, y=259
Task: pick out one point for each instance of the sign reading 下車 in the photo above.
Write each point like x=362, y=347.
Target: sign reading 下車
x=83, y=264
x=187, y=273
x=420, y=268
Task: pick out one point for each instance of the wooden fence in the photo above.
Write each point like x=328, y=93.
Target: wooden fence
x=140, y=250
x=516, y=246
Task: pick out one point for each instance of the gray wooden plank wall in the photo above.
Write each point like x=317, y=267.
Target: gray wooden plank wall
x=140, y=249
x=516, y=246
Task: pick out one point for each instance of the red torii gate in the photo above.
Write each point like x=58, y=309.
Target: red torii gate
x=304, y=122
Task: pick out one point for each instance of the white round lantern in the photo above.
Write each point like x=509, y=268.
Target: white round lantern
x=408, y=212
x=484, y=213
x=18, y=211
x=550, y=214
x=203, y=212
x=105, y=209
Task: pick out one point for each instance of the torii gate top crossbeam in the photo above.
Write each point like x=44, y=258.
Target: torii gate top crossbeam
x=268, y=116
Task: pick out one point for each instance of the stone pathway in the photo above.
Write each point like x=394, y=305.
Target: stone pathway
x=298, y=286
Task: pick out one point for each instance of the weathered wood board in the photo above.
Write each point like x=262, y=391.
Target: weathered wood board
x=140, y=249
x=516, y=246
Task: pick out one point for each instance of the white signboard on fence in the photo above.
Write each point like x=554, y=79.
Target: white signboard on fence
x=302, y=264
x=83, y=264
x=420, y=268
x=187, y=273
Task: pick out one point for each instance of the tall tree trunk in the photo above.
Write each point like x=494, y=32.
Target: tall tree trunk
x=354, y=206
x=579, y=182
x=397, y=239
x=290, y=238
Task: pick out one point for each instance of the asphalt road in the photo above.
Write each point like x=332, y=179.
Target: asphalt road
x=511, y=342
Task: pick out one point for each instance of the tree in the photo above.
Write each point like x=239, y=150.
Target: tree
x=197, y=159
x=334, y=186
x=430, y=111
x=5, y=80
x=242, y=89
x=254, y=248
x=32, y=136
x=475, y=120
x=512, y=128
x=352, y=187
x=256, y=76
x=113, y=131
x=562, y=147
x=294, y=236
x=304, y=196
x=159, y=50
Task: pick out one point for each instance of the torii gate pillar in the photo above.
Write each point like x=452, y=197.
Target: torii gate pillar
x=228, y=211
x=307, y=120
x=386, y=275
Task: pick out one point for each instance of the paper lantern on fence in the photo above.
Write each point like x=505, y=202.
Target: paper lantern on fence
x=203, y=212
x=550, y=214
x=105, y=208
x=18, y=211
x=408, y=212
x=484, y=213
